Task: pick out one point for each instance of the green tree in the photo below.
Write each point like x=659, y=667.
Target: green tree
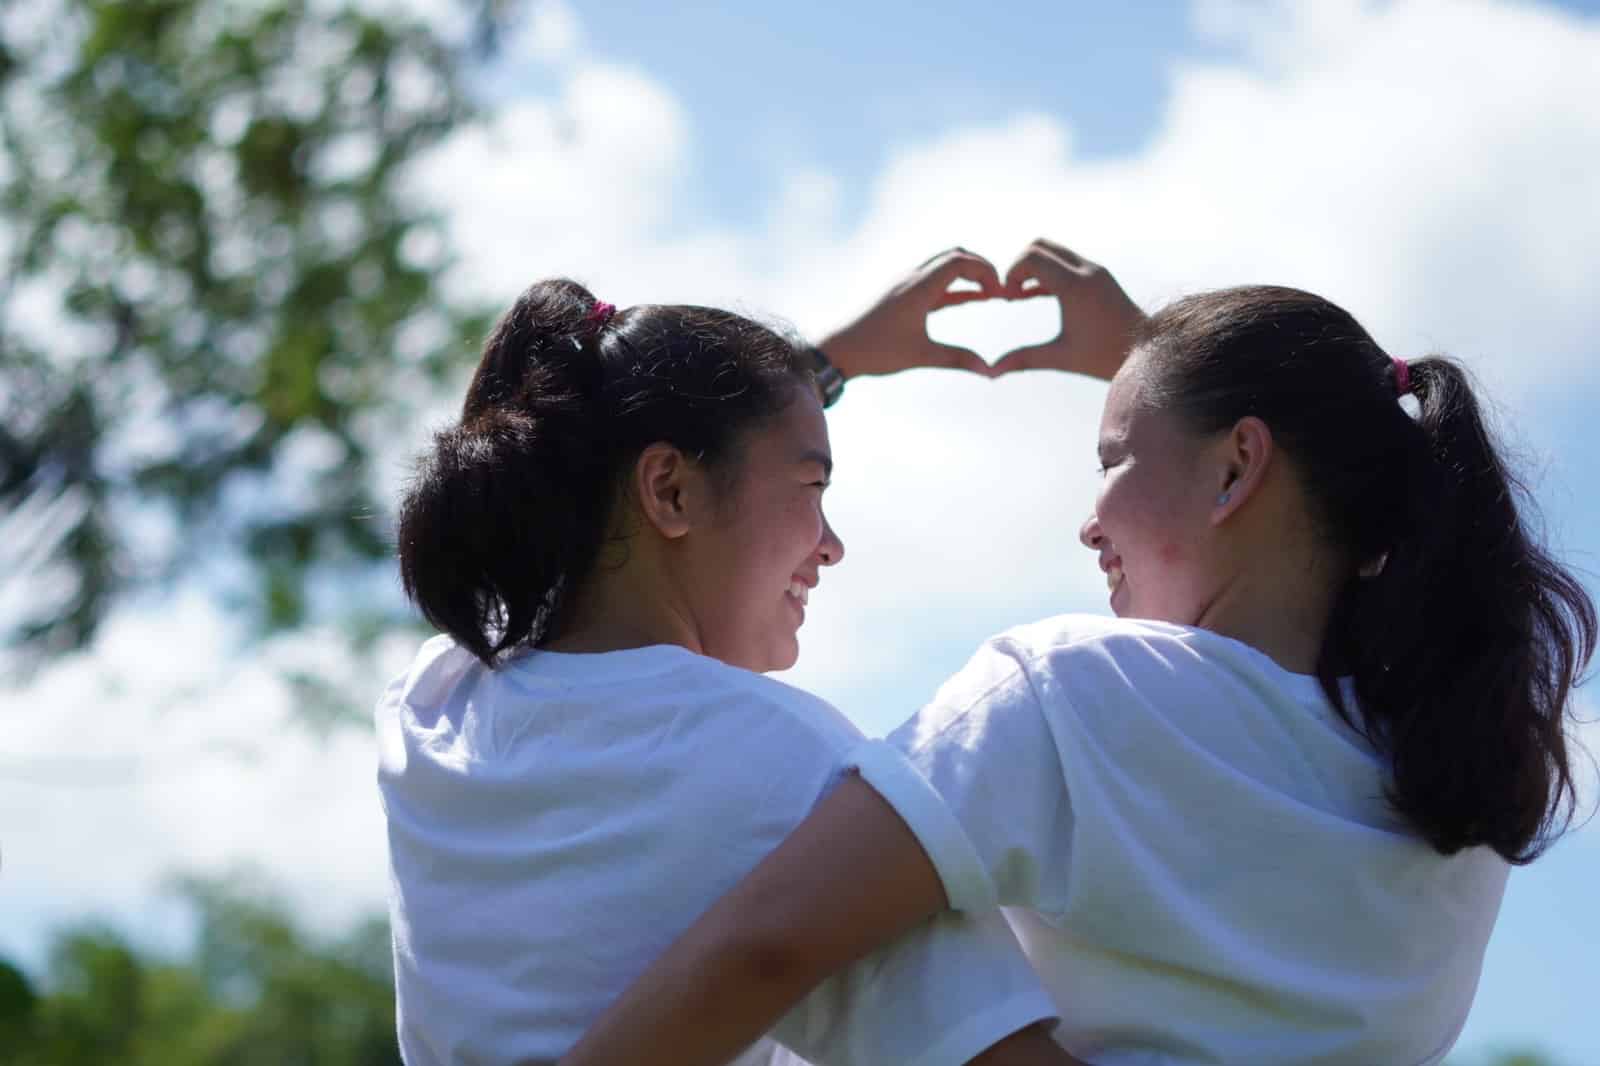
x=212, y=290
x=255, y=989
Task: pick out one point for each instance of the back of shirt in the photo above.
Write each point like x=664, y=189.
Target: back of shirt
x=1212, y=871
x=555, y=823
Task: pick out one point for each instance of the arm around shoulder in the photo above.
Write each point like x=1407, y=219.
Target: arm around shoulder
x=850, y=878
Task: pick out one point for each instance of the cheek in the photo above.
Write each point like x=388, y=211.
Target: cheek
x=798, y=529
x=1117, y=508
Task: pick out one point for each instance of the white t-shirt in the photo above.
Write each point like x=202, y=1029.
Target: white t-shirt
x=554, y=824
x=1211, y=870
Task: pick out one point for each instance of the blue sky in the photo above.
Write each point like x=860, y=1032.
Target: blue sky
x=833, y=83
x=1431, y=164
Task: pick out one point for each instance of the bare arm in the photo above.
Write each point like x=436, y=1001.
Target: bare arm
x=852, y=877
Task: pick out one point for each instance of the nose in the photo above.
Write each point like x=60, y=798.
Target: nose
x=831, y=550
x=1089, y=533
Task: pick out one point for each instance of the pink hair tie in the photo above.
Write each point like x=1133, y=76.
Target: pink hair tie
x=1402, y=376
x=601, y=313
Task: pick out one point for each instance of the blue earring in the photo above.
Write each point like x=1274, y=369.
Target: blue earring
x=1223, y=499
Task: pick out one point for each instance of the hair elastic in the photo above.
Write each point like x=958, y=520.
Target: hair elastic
x=601, y=313
x=1402, y=375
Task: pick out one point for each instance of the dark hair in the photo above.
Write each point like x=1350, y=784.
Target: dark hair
x=1465, y=647
x=513, y=504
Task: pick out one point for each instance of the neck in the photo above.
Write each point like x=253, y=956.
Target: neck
x=1289, y=635
x=1279, y=603
x=621, y=608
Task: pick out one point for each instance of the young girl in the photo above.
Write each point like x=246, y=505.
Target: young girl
x=1265, y=814
x=620, y=533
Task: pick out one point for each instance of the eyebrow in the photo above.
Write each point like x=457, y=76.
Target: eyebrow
x=823, y=459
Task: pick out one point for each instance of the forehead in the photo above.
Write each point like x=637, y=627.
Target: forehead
x=799, y=430
x=1122, y=407
x=1129, y=421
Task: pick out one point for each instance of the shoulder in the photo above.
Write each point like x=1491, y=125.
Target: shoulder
x=1042, y=670
x=1027, y=654
x=781, y=706
x=438, y=667
x=1086, y=635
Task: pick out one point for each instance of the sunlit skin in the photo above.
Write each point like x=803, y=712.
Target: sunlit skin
x=723, y=571
x=1208, y=531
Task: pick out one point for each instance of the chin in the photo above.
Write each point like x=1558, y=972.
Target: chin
x=784, y=660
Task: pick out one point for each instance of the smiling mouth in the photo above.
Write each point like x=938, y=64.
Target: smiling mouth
x=798, y=591
x=1113, y=577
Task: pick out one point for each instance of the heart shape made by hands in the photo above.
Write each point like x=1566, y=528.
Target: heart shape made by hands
x=995, y=326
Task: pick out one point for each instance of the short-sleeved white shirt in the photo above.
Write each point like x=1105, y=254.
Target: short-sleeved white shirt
x=555, y=823
x=1210, y=869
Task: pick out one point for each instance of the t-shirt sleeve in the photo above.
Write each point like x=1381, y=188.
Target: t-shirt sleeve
x=938, y=997
x=985, y=746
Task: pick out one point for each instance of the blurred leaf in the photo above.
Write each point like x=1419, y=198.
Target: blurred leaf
x=254, y=991
x=202, y=269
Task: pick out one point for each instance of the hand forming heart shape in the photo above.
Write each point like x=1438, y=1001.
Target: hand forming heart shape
x=1098, y=321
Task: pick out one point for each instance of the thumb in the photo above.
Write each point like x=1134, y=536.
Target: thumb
x=958, y=358
x=1030, y=357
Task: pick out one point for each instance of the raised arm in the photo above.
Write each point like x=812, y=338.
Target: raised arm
x=850, y=879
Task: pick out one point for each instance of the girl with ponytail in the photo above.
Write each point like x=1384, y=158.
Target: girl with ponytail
x=616, y=538
x=1265, y=814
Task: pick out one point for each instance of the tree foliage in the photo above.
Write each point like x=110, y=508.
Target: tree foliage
x=211, y=285
x=254, y=991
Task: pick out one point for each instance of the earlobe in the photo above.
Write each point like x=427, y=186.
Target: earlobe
x=1249, y=446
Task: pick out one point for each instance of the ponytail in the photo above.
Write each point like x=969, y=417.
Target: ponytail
x=1462, y=635
x=512, y=501
x=1465, y=648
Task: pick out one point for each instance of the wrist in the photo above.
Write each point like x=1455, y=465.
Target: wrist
x=827, y=377
x=841, y=349
x=1112, y=360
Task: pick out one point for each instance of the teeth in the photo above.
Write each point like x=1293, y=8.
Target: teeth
x=1113, y=577
x=798, y=590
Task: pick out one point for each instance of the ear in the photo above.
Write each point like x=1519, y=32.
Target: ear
x=1242, y=458
x=671, y=491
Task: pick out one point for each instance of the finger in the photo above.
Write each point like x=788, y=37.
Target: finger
x=960, y=264
x=1030, y=357
x=1063, y=253
x=952, y=297
x=1034, y=265
x=955, y=357
x=936, y=256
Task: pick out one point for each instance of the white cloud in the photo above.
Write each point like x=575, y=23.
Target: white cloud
x=163, y=753
x=559, y=185
x=550, y=33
